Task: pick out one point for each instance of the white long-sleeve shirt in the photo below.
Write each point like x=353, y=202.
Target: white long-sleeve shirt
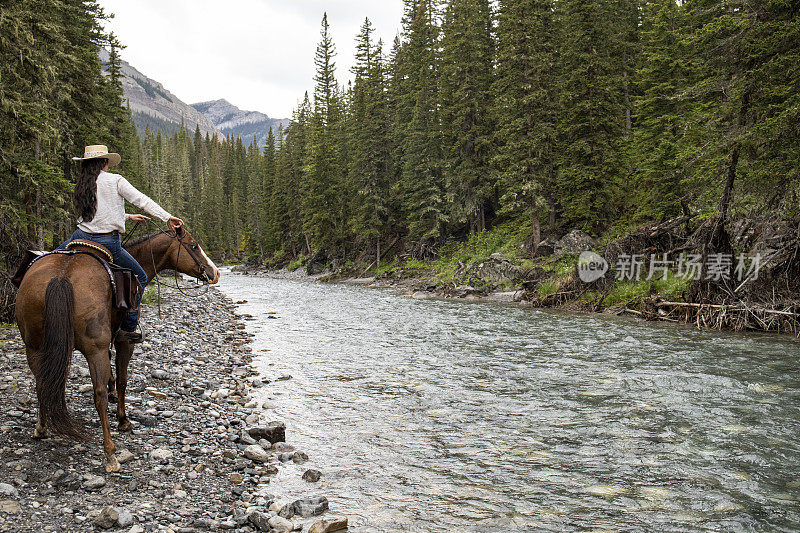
x=112, y=191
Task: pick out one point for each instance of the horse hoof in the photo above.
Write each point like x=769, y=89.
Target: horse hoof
x=125, y=425
x=112, y=465
x=39, y=433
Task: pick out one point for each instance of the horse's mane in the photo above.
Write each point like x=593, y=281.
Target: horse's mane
x=140, y=240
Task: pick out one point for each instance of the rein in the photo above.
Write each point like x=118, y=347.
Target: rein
x=183, y=290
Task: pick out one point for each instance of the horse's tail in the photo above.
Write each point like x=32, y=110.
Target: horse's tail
x=55, y=356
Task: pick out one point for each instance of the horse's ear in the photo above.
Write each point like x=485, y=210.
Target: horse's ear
x=179, y=231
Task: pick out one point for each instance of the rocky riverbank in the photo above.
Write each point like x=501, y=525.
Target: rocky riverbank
x=200, y=456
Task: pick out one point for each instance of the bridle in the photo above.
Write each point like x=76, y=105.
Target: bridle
x=181, y=246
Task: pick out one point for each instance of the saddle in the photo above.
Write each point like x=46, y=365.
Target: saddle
x=125, y=287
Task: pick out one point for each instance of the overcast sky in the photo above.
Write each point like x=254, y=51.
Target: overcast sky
x=257, y=54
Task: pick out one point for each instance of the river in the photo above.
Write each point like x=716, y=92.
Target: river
x=430, y=415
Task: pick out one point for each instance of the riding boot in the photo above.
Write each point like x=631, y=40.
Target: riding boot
x=133, y=337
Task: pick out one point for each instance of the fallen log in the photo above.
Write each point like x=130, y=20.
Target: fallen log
x=727, y=307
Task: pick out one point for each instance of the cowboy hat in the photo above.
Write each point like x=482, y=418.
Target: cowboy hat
x=98, y=151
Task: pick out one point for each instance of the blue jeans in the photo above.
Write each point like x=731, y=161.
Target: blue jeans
x=121, y=258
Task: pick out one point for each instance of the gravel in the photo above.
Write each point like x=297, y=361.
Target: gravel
x=199, y=457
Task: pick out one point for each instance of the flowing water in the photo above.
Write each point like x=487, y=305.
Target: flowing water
x=427, y=415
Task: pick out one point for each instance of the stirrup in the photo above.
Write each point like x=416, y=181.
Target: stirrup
x=133, y=337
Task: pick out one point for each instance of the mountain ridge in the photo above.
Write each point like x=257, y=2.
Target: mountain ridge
x=231, y=120
x=153, y=106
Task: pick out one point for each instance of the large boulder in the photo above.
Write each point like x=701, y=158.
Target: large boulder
x=273, y=432
x=573, y=243
x=316, y=263
x=547, y=246
x=497, y=269
x=310, y=506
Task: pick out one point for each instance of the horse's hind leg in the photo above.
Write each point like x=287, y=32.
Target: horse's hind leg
x=124, y=353
x=40, y=432
x=112, y=383
x=100, y=369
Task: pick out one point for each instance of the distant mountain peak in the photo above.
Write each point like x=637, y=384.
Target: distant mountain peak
x=230, y=120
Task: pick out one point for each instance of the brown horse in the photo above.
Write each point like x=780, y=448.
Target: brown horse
x=64, y=303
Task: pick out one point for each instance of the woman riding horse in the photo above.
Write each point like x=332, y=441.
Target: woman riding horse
x=65, y=302
x=100, y=207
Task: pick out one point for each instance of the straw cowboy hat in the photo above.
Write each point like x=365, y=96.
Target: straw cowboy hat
x=98, y=151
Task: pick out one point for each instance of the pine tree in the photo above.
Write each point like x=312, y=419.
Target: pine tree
x=421, y=184
x=659, y=112
x=370, y=165
x=591, y=121
x=267, y=172
x=527, y=110
x=466, y=102
x=321, y=175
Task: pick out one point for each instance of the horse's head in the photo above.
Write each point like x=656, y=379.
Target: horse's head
x=187, y=257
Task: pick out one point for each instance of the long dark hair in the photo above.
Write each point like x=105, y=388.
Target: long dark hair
x=85, y=197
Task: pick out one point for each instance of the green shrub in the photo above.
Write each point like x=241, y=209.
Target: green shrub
x=297, y=263
x=547, y=287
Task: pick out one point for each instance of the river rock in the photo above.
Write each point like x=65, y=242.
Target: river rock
x=328, y=525
x=273, y=432
x=281, y=524
x=287, y=511
x=311, y=475
x=269, y=470
x=259, y=520
x=125, y=518
x=8, y=491
x=282, y=447
x=93, y=482
x=245, y=438
x=161, y=454
x=10, y=507
x=310, y=506
x=125, y=456
x=105, y=518
x=256, y=453
x=299, y=457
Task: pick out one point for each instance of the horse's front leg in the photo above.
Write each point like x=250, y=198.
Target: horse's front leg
x=100, y=369
x=124, y=353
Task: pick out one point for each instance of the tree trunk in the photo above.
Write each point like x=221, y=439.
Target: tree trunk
x=39, y=228
x=29, y=213
x=727, y=192
x=536, y=229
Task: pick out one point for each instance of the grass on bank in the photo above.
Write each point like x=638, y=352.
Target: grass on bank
x=633, y=292
x=150, y=295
